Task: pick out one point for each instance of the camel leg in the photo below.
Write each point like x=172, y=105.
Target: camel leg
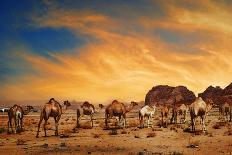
x=56, y=124
x=124, y=120
x=184, y=117
x=203, y=123
x=162, y=119
x=78, y=118
x=106, y=121
x=141, y=122
x=40, y=121
x=230, y=114
x=148, y=121
x=192, y=123
x=16, y=125
x=45, y=123
x=10, y=125
x=91, y=118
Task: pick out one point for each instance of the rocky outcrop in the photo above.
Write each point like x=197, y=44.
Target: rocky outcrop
x=164, y=94
x=213, y=93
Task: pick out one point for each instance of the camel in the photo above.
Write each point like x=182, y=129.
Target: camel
x=146, y=111
x=51, y=109
x=164, y=114
x=225, y=110
x=118, y=109
x=200, y=108
x=180, y=109
x=17, y=112
x=86, y=109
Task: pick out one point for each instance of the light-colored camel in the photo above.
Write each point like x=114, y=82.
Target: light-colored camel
x=199, y=108
x=85, y=109
x=51, y=109
x=146, y=112
x=17, y=112
x=119, y=110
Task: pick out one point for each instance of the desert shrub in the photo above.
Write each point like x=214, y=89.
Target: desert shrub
x=193, y=143
x=113, y=132
x=151, y=134
x=95, y=135
x=176, y=153
x=2, y=130
x=123, y=132
x=61, y=123
x=228, y=132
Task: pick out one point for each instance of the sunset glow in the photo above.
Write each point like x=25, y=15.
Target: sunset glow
x=104, y=50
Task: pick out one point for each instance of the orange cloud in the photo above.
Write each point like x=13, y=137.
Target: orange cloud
x=125, y=63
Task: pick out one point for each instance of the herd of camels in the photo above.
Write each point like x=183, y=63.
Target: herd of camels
x=52, y=108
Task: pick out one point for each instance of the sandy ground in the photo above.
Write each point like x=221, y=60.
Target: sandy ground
x=132, y=140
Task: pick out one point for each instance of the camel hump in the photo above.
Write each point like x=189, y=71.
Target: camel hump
x=115, y=101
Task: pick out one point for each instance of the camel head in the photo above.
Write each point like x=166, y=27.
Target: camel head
x=133, y=103
x=101, y=106
x=67, y=104
x=209, y=104
x=28, y=109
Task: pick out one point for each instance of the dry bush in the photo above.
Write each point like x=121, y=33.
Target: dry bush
x=67, y=119
x=218, y=125
x=123, y=132
x=151, y=134
x=193, y=143
x=45, y=145
x=20, y=142
x=63, y=144
x=2, y=130
x=228, y=132
x=113, y=132
x=137, y=136
x=74, y=119
x=61, y=123
x=176, y=153
x=66, y=133
x=157, y=129
x=95, y=135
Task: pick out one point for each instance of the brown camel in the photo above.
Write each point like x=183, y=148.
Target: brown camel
x=17, y=112
x=101, y=106
x=225, y=110
x=164, y=114
x=51, y=109
x=179, y=109
x=85, y=109
x=200, y=108
x=118, y=109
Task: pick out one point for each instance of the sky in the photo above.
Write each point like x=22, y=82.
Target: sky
x=99, y=50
